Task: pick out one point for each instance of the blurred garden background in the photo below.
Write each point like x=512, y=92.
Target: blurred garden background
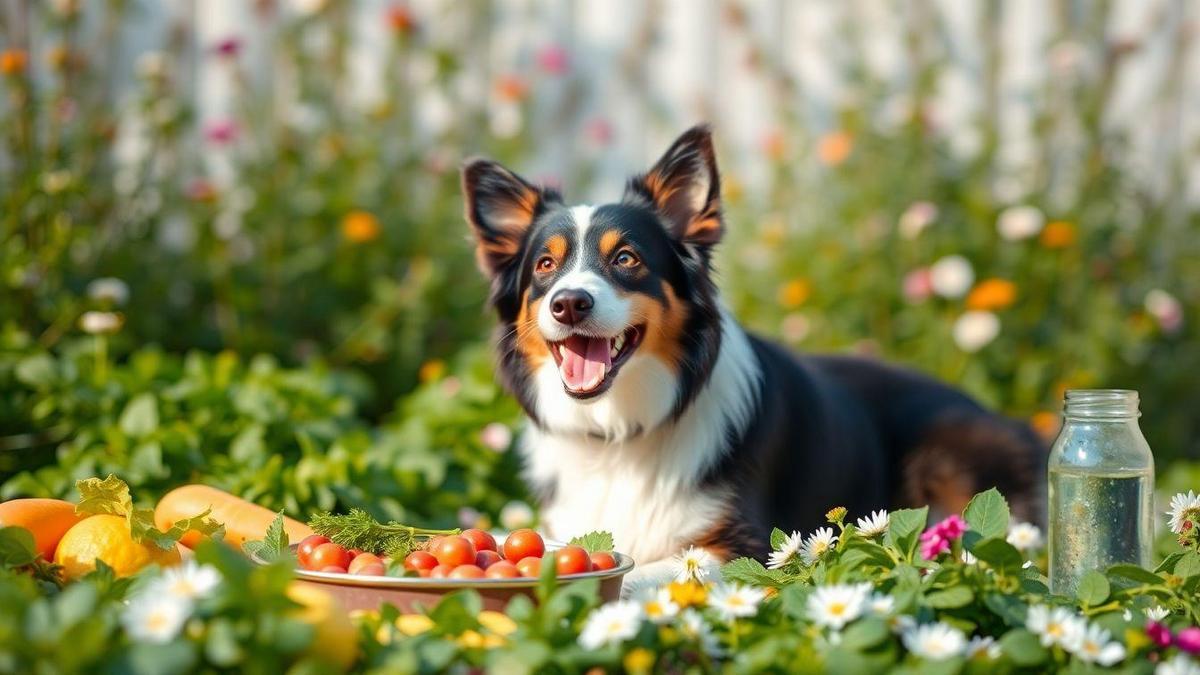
x=232, y=248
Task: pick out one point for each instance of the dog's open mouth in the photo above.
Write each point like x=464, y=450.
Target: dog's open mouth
x=587, y=365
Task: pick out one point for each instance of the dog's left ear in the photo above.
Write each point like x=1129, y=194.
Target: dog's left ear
x=684, y=186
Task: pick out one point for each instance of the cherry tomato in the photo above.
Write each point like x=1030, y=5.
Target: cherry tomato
x=371, y=570
x=524, y=544
x=530, y=567
x=333, y=568
x=330, y=554
x=431, y=545
x=485, y=559
x=420, y=560
x=482, y=540
x=355, y=552
x=572, y=560
x=603, y=560
x=440, y=572
x=363, y=560
x=455, y=551
x=305, y=549
x=466, y=572
x=424, y=574
x=502, y=570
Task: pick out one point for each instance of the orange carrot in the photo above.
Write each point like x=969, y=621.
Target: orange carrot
x=47, y=519
x=243, y=520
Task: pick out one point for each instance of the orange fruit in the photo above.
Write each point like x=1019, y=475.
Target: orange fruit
x=106, y=537
x=47, y=519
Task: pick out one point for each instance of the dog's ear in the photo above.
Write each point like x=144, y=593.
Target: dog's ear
x=685, y=187
x=500, y=205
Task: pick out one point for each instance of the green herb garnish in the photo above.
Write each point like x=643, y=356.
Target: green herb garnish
x=358, y=529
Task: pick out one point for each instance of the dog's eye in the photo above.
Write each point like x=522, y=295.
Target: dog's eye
x=626, y=258
x=546, y=264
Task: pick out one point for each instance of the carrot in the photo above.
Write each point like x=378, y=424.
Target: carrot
x=47, y=519
x=243, y=520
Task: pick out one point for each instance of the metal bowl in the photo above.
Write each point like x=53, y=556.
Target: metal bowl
x=368, y=592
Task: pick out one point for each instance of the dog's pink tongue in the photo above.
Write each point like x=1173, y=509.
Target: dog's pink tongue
x=585, y=361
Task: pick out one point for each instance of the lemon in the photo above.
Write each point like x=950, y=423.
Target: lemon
x=336, y=639
x=106, y=537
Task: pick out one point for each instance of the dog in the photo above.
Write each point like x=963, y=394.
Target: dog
x=655, y=416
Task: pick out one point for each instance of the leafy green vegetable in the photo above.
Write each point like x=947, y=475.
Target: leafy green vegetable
x=358, y=529
x=274, y=544
x=594, y=542
x=1093, y=588
x=987, y=513
x=111, y=497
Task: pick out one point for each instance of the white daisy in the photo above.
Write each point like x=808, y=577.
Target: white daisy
x=967, y=557
x=817, y=544
x=189, y=581
x=610, y=624
x=694, y=564
x=155, y=618
x=695, y=627
x=1184, y=507
x=1157, y=613
x=658, y=605
x=983, y=646
x=873, y=525
x=975, y=330
x=838, y=604
x=1178, y=665
x=100, y=323
x=901, y=623
x=951, y=276
x=1055, y=626
x=786, y=551
x=108, y=289
x=735, y=600
x=1025, y=536
x=881, y=604
x=1019, y=222
x=1093, y=644
x=935, y=641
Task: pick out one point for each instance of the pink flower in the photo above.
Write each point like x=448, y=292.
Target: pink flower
x=933, y=545
x=496, y=436
x=228, y=48
x=554, y=60
x=1188, y=640
x=598, y=131
x=952, y=527
x=918, y=285
x=221, y=132
x=1158, y=634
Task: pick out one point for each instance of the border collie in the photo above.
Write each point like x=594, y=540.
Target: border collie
x=655, y=416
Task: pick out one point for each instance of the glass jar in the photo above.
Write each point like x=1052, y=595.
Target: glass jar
x=1101, y=479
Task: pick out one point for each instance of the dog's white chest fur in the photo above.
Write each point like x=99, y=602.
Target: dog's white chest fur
x=643, y=487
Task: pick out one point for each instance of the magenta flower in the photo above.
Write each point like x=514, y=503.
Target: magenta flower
x=221, y=132
x=1158, y=634
x=952, y=527
x=933, y=545
x=228, y=48
x=1188, y=640
x=554, y=60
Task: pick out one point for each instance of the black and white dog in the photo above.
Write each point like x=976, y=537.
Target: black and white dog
x=655, y=416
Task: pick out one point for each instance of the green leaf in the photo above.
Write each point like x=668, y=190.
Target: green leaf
x=1188, y=565
x=865, y=634
x=1093, y=588
x=108, y=496
x=1023, y=648
x=457, y=612
x=1134, y=573
x=778, y=536
x=998, y=553
x=594, y=542
x=37, y=371
x=904, y=527
x=548, y=578
x=17, y=547
x=950, y=598
x=1007, y=607
x=274, y=544
x=750, y=571
x=987, y=513
x=140, y=417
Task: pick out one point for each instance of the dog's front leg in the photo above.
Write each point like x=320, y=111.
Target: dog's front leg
x=659, y=573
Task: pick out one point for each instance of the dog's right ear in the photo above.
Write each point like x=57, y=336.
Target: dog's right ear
x=500, y=205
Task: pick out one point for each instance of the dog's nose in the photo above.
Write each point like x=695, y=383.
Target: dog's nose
x=571, y=305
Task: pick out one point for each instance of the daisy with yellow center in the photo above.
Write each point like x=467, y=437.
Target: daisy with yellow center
x=836, y=605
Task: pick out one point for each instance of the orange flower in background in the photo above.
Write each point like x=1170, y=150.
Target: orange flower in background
x=13, y=61
x=687, y=593
x=431, y=370
x=1058, y=234
x=774, y=145
x=359, y=227
x=511, y=88
x=1046, y=424
x=834, y=147
x=992, y=294
x=794, y=293
x=401, y=20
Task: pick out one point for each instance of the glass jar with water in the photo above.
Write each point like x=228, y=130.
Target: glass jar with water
x=1101, y=477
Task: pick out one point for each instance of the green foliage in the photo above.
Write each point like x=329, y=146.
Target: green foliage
x=593, y=542
x=359, y=530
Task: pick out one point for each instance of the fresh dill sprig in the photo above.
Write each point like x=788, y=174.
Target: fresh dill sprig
x=358, y=529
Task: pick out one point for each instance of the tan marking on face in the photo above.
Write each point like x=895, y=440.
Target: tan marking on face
x=664, y=325
x=529, y=338
x=608, y=242
x=557, y=247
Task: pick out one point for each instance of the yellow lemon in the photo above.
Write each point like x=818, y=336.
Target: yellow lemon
x=106, y=537
x=336, y=638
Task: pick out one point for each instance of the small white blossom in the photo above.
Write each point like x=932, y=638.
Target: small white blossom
x=658, y=605
x=108, y=289
x=901, y=623
x=951, y=276
x=975, y=330
x=1020, y=222
x=817, y=544
x=881, y=604
x=786, y=551
x=983, y=645
x=732, y=601
x=917, y=217
x=695, y=627
x=1178, y=665
x=1184, y=507
x=611, y=624
x=935, y=641
x=496, y=436
x=100, y=323
x=873, y=525
x=1056, y=626
x=694, y=564
x=1156, y=613
x=967, y=557
x=1025, y=536
x=155, y=618
x=515, y=515
x=1165, y=308
x=1095, y=645
x=836, y=605
x=189, y=581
